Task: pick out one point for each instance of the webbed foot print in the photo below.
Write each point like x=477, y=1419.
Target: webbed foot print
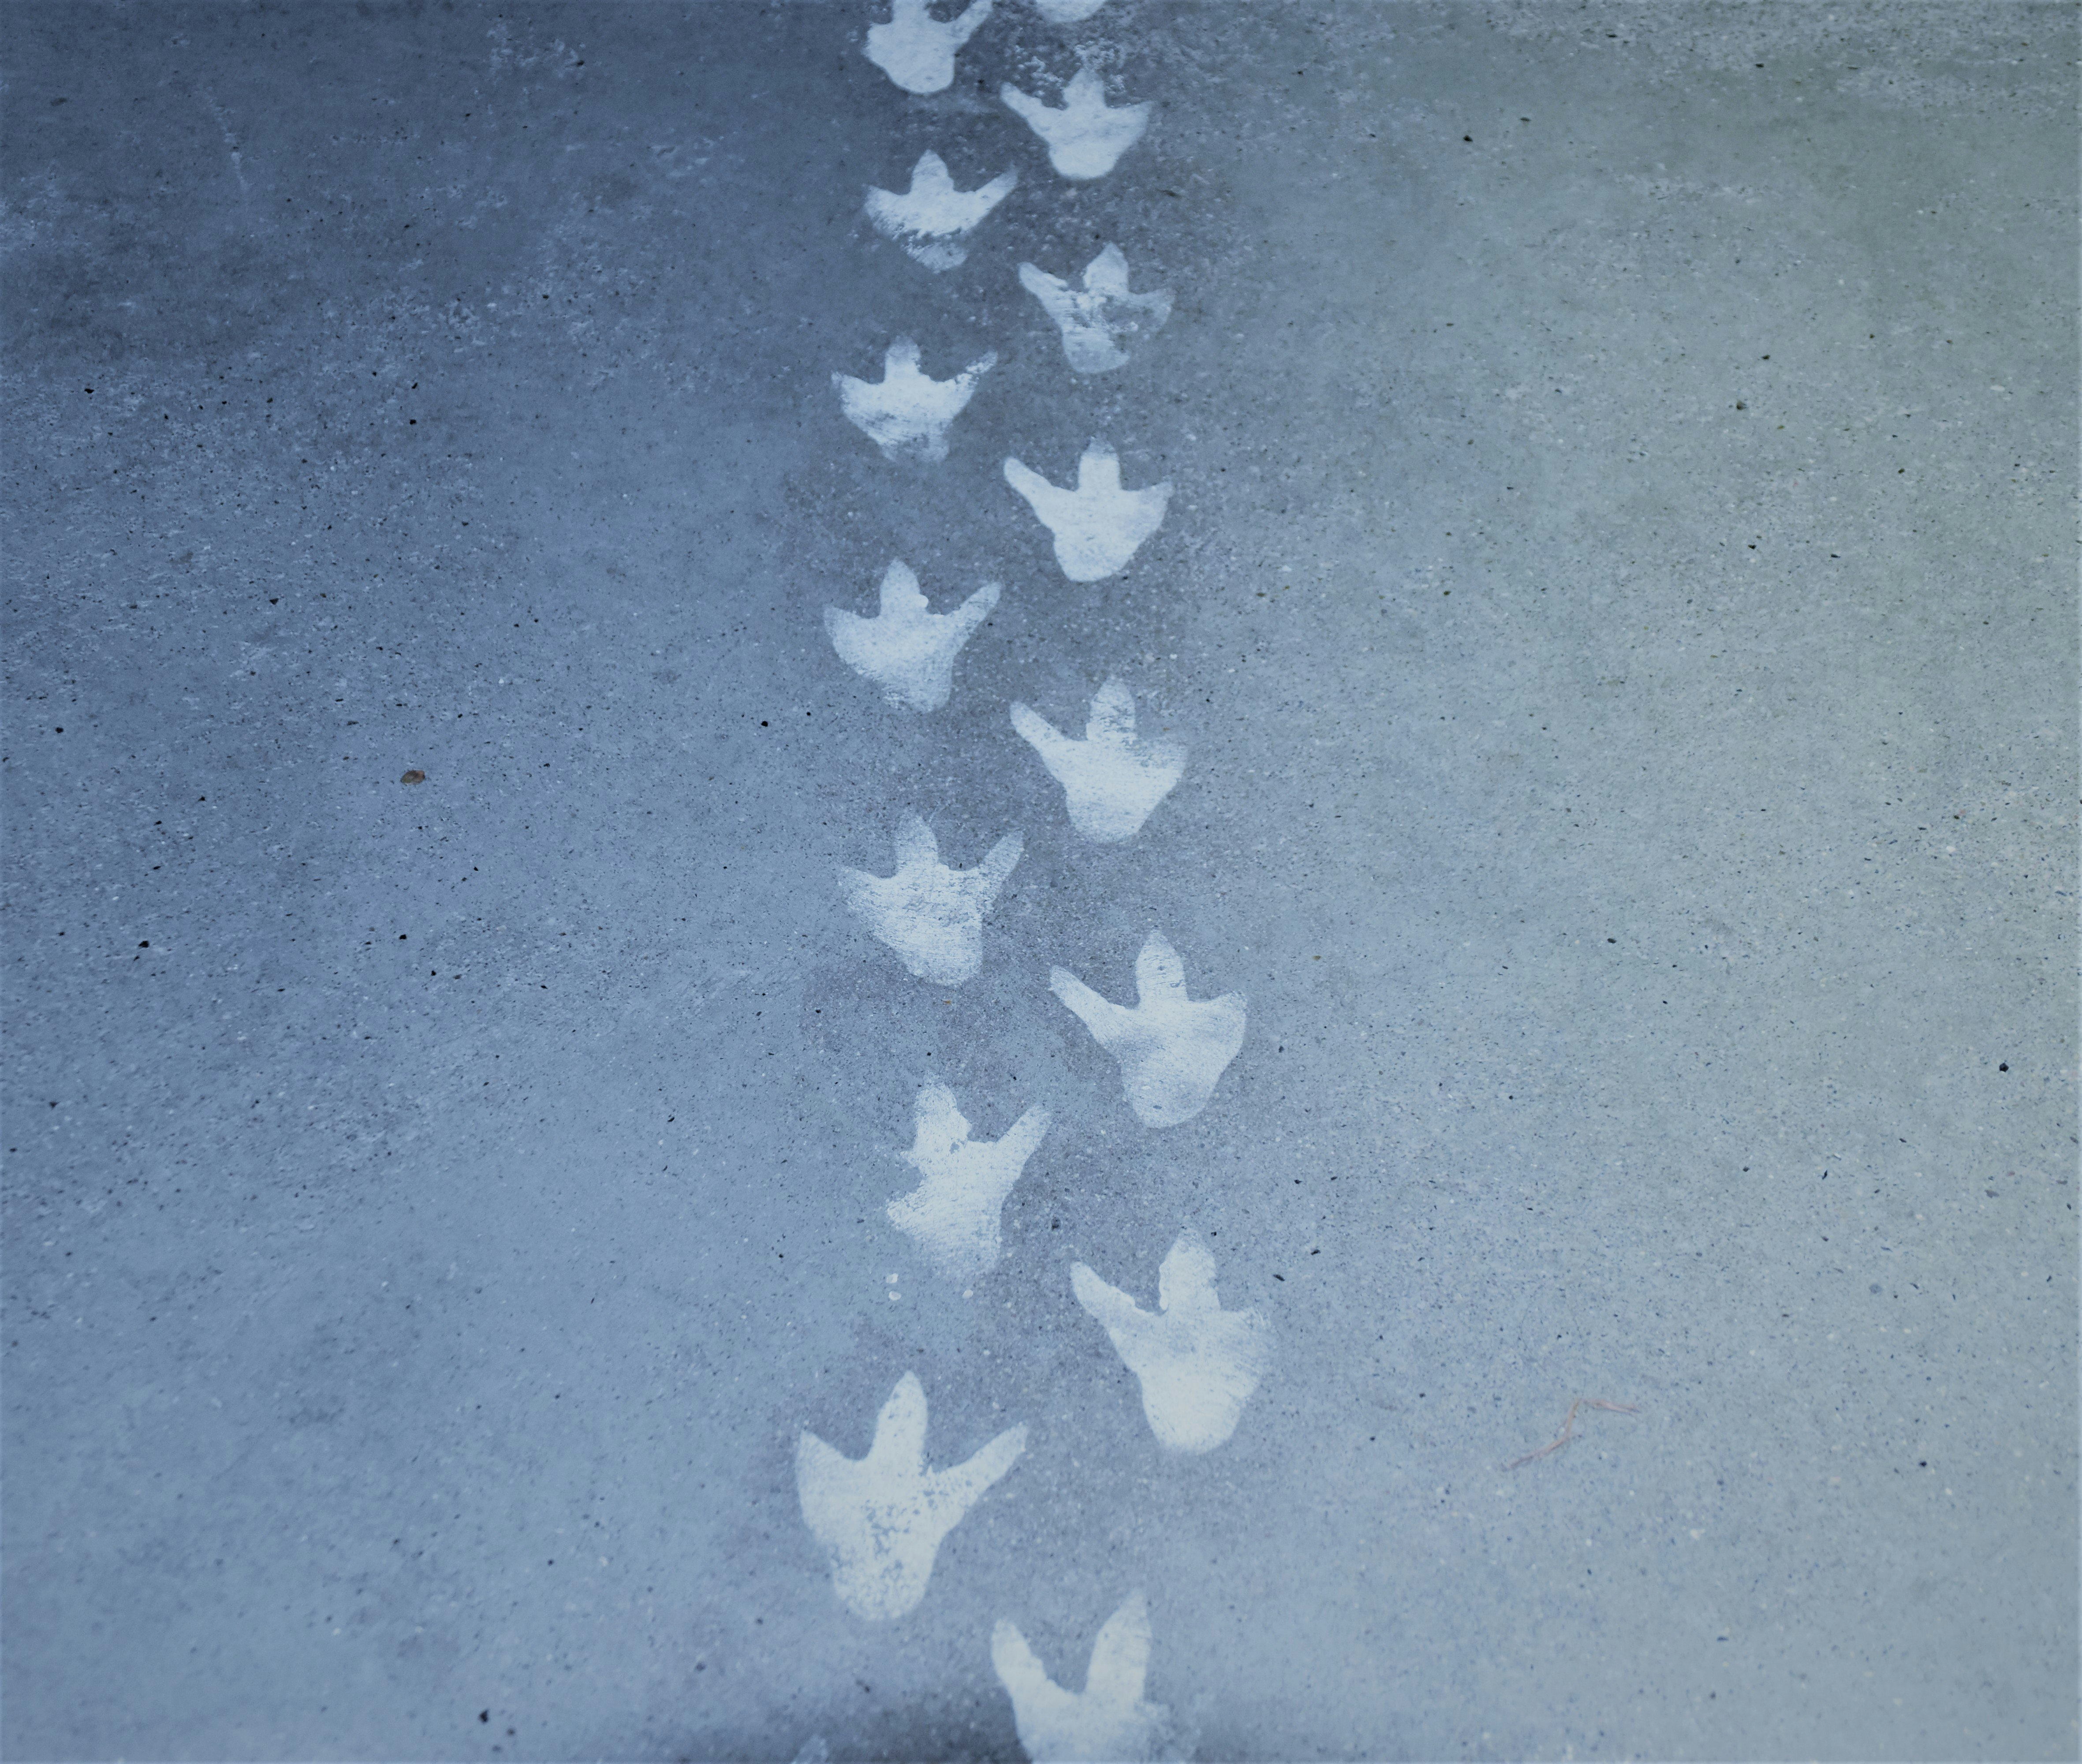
x=932, y=218
x=1098, y=526
x=906, y=649
x=954, y=1214
x=1107, y=1720
x=918, y=50
x=931, y=915
x=1111, y=780
x=1197, y=1363
x=1095, y=320
x=905, y=413
x=1172, y=1049
x=1086, y=136
x=882, y=1516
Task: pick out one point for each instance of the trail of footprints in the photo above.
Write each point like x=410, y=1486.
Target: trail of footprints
x=882, y=1518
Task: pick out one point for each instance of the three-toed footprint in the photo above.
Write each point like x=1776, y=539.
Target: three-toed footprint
x=930, y=914
x=932, y=218
x=1108, y=1718
x=953, y=1215
x=1097, y=318
x=906, y=413
x=1112, y=779
x=1097, y=526
x=906, y=649
x=1197, y=1363
x=881, y=1518
x=1172, y=1049
x=918, y=50
x=1086, y=136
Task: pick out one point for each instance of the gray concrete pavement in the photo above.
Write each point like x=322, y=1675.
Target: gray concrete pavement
x=1618, y=597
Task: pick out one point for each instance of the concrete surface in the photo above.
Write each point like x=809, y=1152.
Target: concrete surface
x=1618, y=595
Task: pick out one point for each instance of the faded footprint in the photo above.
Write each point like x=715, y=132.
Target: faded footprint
x=1086, y=136
x=905, y=649
x=1111, y=779
x=904, y=412
x=1095, y=319
x=1098, y=526
x=1198, y=1364
x=931, y=915
x=1172, y=1049
x=932, y=218
x=915, y=49
x=1107, y=1720
x=954, y=1214
x=882, y=1516
x=1066, y=12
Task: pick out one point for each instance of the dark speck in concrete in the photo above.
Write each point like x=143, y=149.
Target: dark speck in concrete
x=435, y=1179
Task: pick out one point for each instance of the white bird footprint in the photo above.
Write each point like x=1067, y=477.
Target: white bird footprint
x=906, y=413
x=1095, y=318
x=918, y=50
x=1066, y=12
x=931, y=915
x=881, y=1518
x=906, y=649
x=1098, y=526
x=1111, y=779
x=1107, y=1720
x=932, y=218
x=1197, y=1363
x=1086, y=136
x=1172, y=1049
x=954, y=1214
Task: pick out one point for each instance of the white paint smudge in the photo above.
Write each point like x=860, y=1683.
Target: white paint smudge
x=915, y=49
x=1198, y=1364
x=1107, y=1720
x=1066, y=12
x=1111, y=780
x=954, y=1214
x=1095, y=319
x=905, y=649
x=932, y=218
x=1172, y=1050
x=931, y=916
x=882, y=1516
x=904, y=412
x=1099, y=525
x=1086, y=136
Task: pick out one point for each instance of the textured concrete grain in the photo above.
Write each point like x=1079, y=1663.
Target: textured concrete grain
x=1618, y=597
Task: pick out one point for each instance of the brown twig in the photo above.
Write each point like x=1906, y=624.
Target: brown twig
x=1569, y=1426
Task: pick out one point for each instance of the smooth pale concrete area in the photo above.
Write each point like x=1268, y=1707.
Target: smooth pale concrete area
x=1618, y=595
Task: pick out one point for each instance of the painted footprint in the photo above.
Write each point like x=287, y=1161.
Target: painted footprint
x=882, y=1518
x=1107, y=1720
x=918, y=50
x=932, y=218
x=1086, y=136
x=1172, y=1049
x=953, y=1215
x=1197, y=1363
x=1098, y=526
x=904, y=412
x=1066, y=12
x=1096, y=319
x=905, y=649
x=1111, y=779
x=931, y=916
